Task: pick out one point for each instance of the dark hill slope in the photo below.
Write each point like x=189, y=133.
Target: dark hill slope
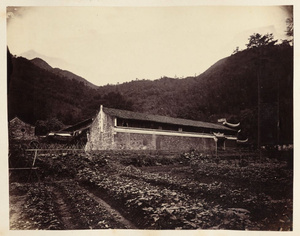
x=35, y=93
x=229, y=86
x=228, y=89
x=41, y=63
x=62, y=73
x=233, y=90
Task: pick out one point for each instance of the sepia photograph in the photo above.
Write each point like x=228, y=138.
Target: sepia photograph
x=150, y=117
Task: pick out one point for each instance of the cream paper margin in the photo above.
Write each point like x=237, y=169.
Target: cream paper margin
x=4, y=195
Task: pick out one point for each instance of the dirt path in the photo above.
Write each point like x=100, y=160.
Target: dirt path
x=17, y=221
x=63, y=210
x=68, y=220
x=116, y=214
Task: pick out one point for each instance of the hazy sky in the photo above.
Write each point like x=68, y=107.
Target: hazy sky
x=118, y=44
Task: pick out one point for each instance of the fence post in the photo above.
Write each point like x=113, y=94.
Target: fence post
x=35, y=155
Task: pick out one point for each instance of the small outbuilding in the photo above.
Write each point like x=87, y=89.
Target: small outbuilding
x=20, y=130
x=72, y=134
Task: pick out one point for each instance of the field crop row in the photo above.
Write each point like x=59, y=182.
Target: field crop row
x=61, y=205
x=198, y=192
x=86, y=212
x=39, y=207
x=162, y=208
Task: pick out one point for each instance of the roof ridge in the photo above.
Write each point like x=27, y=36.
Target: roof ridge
x=151, y=117
x=17, y=118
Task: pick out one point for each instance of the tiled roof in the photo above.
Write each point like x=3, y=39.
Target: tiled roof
x=17, y=119
x=79, y=126
x=161, y=119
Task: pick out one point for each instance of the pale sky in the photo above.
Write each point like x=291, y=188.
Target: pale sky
x=118, y=44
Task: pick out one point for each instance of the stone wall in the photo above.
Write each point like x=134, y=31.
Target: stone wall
x=185, y=143
x=104, y=136
x=129, y=141
x=133, y=141
x=110, y=139
x=100, y=136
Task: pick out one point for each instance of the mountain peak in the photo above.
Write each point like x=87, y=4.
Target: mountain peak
x=31, y=54
x=41, y=63
x=57, y=71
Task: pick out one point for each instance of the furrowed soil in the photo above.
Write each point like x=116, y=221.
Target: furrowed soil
x=133, y=190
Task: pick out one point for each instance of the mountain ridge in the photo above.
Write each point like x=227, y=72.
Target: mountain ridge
x=227, y=89
x=64, y=73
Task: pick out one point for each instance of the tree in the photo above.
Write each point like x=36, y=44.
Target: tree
x=290, y=26
x=236, y=51
x=289, y=30
x=257, y=40
x=42, y=127
x=9, y=68
x=116, y=100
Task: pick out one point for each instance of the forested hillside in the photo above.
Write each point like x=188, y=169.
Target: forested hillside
x=228, y=89
x=37, y=94
x=63, y=73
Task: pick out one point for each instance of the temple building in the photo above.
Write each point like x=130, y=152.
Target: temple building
x=114, y=129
